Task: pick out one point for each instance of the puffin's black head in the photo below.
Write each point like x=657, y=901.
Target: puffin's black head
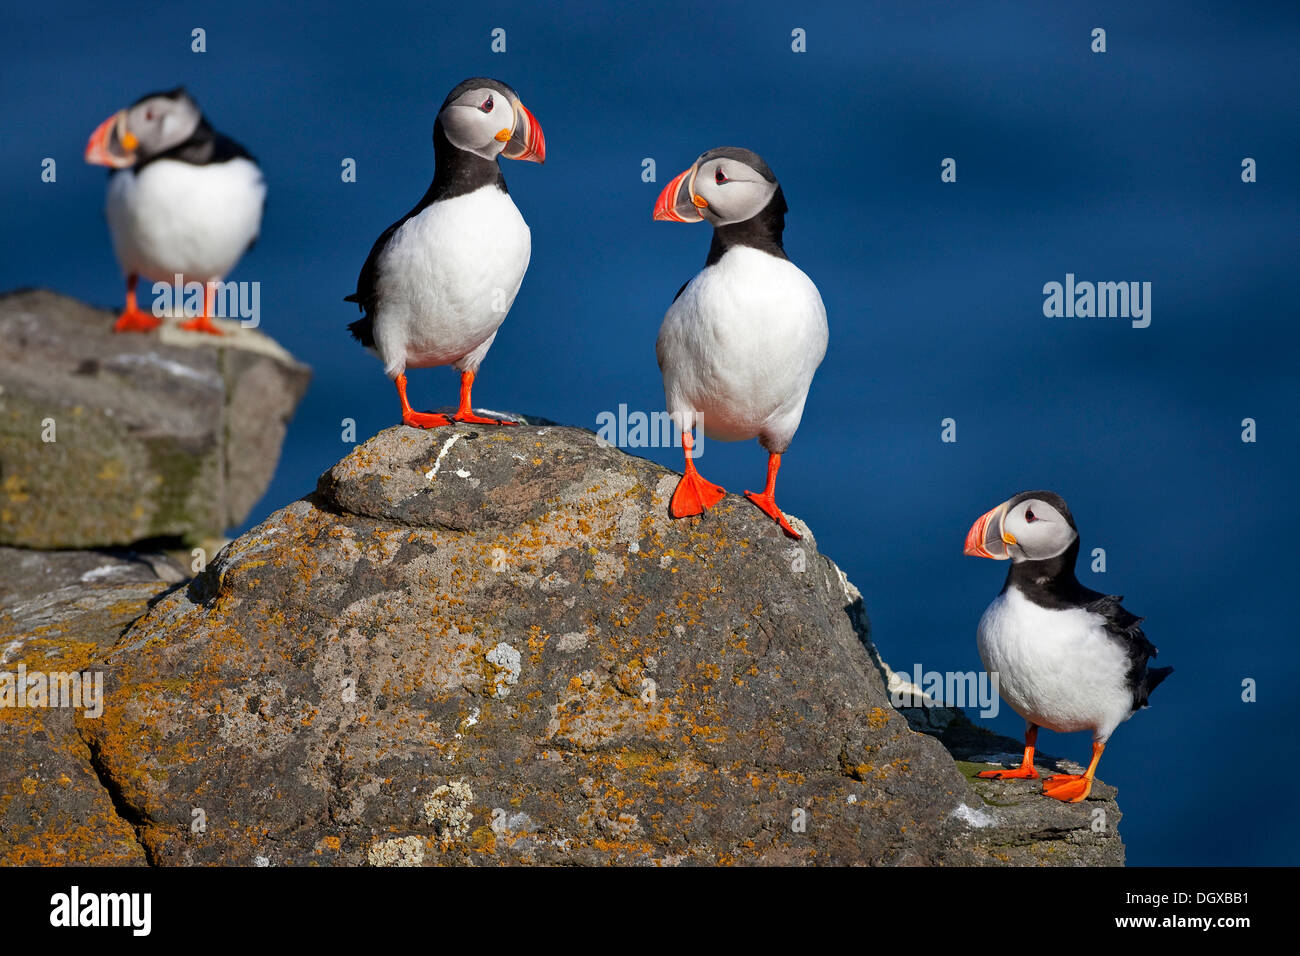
x=151, y=125
x=724, y=186
x=1032, y=526
x=484, y=117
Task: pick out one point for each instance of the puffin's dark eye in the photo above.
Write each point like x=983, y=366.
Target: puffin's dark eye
x=1029, y=515
x=148, y=114
x=486, y=105
x=720, y=177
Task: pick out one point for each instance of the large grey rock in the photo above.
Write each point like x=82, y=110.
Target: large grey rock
x=170, y=434
x=492, y=645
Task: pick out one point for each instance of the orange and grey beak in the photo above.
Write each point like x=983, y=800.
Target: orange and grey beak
x=987, y=539
x=526, y=140
x=112, y=144
x=678, y=202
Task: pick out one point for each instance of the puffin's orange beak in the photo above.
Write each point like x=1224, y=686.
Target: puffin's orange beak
x=112, y=144
x=986, y=539
x=526, y=140
x=678, y=202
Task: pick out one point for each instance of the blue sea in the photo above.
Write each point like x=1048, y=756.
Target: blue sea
x=1122, y=166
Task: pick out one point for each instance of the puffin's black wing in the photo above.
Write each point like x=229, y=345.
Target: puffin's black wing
x=367, y=295
x=1126, y=628
x=225, y=149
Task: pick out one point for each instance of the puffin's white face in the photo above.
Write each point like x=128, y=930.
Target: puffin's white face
x=720, y=189
x=161, y=122
x=1026, y=528
x=490, y=122
x=732, y=191
x=152, y=126
x=1038, y=529
x=479, y=121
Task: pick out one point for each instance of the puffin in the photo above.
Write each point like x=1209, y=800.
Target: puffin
x=1067, y=658
x=438, y=282
x=740, y=343
x=183, y=199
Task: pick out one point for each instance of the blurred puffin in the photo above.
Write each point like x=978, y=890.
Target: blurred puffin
x=740, y=343
x=1067, y=658
x=438, y=282
x=183, y=199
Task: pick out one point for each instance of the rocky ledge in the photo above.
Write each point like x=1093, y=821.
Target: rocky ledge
x=108, y=439
x=492, y=646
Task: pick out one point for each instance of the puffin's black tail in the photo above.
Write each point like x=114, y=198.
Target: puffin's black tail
x=363, y=330
x=1155, y=676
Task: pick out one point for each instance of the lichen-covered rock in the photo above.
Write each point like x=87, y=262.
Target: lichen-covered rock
x=60, y=612
x=172, y=434
x=492, y=645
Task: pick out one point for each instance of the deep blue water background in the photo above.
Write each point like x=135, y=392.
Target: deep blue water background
x=1122, y=166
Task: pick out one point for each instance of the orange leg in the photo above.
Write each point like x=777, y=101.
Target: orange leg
x=413, y=418
x=465, y=411
x=132, y=319
x=203, y=323
x=767, y=500
x=1070, y=787
x=693, y=494
x=1026, y=768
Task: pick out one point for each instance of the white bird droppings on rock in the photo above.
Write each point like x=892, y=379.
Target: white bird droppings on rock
x=972, y=817
x=104, y=571
x=442, y=453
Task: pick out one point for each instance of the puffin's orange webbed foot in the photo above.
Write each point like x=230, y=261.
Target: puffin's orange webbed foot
x=1074, y=787
x=767, y=504
x=201, y=323
x=766, y=500
x=134, y=320
x=465, y=411
x=1071, y=788
x=1026, y=769
x=1019, y=773
x=424, y=419
x=413, y=418
x=470, y=418
x=694, y=494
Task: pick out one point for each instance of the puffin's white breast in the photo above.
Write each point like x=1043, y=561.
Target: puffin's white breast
x=447, y=279
x=1057, y=668
x=172, y=217
x=740, y=345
